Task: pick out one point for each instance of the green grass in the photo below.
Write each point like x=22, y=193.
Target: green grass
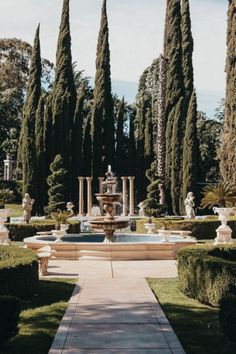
x=40, y=318
x=16, y=210
x=196, y=325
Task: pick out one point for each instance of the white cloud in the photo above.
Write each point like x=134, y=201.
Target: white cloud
x=136, y=33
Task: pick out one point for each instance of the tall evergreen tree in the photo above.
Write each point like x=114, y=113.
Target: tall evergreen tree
x=131, y=147
x=228, y=148
x=41, y=189
x=102, y=116
x=148, y=140
x=190, y=150
x=174, y=99
x=120, y=140
x=28, y=153
x=63, y=97
x=77, y=142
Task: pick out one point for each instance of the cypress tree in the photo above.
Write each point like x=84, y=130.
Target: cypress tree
x=28, y=153
x=120, y=140
x=63, y=97
x=57, y=186
x=131, y=147
x=87, y=146
x=40, y=157
x=102, y=129
x=190, y=148
x=148, y=139
x=77, y=142
x=228, y=147
x=174, y=95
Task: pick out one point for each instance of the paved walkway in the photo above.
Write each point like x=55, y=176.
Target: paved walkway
x=113, y=311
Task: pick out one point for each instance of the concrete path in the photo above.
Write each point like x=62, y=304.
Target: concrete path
x=94, y=269
x=116, y=312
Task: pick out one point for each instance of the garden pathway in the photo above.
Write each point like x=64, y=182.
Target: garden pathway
x=113, y=311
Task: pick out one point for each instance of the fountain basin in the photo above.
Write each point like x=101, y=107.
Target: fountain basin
x=125, y=247
x=108, y=226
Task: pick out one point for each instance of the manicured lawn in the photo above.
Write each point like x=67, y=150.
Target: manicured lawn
x=40, y=318
x=16, y=210
x=196, y=325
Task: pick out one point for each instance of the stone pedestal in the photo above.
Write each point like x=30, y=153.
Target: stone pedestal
x=81, y=196
x=224, y=232
x=124, y=196
x=131, y=195
x=89, y=196
x=8, y=168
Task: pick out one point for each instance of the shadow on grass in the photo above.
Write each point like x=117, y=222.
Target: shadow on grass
x=196, y=325
x=40, y=318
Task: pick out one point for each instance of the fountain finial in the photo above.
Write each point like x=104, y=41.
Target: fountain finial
x=110, y=180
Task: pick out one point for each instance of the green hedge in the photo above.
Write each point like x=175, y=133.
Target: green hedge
x=9, y=317
x=227, y=317
x=18, y=272
x=207, y=273
x=200, y=228
x=17, y=232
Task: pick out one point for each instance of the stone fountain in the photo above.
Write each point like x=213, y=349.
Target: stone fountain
x=109, y=223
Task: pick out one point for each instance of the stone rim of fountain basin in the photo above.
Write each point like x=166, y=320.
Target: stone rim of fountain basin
x=109, y=223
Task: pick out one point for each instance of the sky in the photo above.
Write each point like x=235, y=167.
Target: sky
x=136, y=38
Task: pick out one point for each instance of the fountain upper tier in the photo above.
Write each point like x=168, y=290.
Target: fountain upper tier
x=109, y=223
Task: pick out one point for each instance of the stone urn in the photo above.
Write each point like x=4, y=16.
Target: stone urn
x=165, y=235
x=224, y=232
x=150, y=227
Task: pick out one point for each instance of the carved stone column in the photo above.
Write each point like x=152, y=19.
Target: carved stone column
x=101, y=179
x=89, y=196
x=81, y=196
x=131, y=195
x=124, y=196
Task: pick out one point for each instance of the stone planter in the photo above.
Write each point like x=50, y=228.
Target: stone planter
x=165, y=234
x=150, y=228
x=224, y=232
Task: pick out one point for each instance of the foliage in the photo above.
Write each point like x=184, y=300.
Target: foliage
x=200, y=229
x=228, y=157
x=196, y=325
x=151, y=204
x=222, y=194
x=56, y=182
x=9, y=317
x=61, y=216
x=27, y=149
x=208, y=135
x=18, y=272
x=40, y=317
x=102, y=126
x=60, y=108
x=207, y=273
x=17, y=232
x=227, y=316
x=6, y=196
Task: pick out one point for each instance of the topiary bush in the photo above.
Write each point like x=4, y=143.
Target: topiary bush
x=227, y=316
x=18, y=272
x=17, y=232
x=207, y=273
x=9, y=317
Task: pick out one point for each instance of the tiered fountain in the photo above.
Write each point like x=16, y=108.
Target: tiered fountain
x=109, y=223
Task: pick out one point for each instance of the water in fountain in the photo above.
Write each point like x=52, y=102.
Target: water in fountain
x=109, y=223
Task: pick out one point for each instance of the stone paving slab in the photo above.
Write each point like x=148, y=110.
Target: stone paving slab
x=115, y=316
x=100, y=269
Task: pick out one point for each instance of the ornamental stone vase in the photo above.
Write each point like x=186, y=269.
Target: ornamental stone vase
x=224, y=232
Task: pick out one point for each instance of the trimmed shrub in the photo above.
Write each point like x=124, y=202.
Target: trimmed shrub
x=9, y=317
x=227, y=317
x=207, y=273
x=18, y=272
x=17, y=232
x=200, y=228
x=14, y=186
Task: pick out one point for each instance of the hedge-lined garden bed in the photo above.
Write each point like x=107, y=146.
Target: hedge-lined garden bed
x=18, y=272
x=200, y=228
x=207, y=273
x=17, y=232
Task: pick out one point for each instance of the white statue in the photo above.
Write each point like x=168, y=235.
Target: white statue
x=189, y=206
x=27, y=204
x=141, y=209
